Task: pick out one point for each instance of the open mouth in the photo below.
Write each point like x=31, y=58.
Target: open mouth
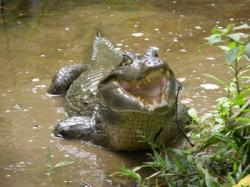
x=151, y=90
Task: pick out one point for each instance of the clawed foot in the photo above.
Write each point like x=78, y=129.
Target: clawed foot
x=75, y=128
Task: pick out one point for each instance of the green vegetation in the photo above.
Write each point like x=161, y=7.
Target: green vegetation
x=52, y=167
x=221, y=155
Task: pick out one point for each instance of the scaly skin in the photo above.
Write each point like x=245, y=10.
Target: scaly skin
x=65, y=77
x=130, y=130
x=121, y=105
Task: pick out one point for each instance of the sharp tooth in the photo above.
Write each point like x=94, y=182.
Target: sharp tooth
x=155, y=102
x=140, y=99
x=116, y=83
x=166, y=98
x=162, y=97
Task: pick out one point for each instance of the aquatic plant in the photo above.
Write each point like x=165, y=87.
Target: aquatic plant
x=50, y=167
x=221, y=155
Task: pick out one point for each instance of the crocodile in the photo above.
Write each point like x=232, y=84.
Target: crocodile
x=119, y=99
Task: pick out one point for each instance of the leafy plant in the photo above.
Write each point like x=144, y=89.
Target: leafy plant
x=236, y=46
x=52, y=167
x=232, y=114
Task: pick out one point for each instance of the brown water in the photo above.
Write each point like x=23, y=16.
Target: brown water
x=38, y=40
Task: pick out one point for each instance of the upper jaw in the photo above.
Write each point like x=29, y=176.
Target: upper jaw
x=135, y=72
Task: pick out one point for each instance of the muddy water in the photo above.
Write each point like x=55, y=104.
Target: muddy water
x=38, y=39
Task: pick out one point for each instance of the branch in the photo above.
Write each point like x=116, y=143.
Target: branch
x=176, y=117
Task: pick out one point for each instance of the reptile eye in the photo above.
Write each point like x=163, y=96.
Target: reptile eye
x=126, y=60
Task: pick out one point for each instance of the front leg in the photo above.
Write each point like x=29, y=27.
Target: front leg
x=81, y=128
x=64, y=78
x=76, y=127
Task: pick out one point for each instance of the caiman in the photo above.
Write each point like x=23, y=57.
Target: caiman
x=119, y=99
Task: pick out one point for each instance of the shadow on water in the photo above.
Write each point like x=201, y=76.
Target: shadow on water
x=39, y=36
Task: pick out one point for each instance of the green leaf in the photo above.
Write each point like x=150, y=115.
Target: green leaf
x=210, y=141
x=247, y=50
x=230, y=141
x=245, y=77
x=210, y=180
x=232, y=45
x=153, y=175
x=246, y=110
x=135, y=169
x=216, y=79
x=126, y=172
x=229, y=28
x=63, y=163
x=244, y=71
x=244, y=119
x=231, y=55
x=246, y=57
x=130, y=173
x=236, y=36
x=230, y=179
x=214, y=38
x=49, y=166
x=224, y=47
x=243, y=26
x=216, y=30
x=238, y=172
x=193, y=113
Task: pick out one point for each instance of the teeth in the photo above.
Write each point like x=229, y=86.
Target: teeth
x=155, y=102
x=141, y=100
x=163, y=97
x=166, y=93
x=116, y=83
x=143, y=81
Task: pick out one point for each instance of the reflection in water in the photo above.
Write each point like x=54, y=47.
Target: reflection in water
x=3, y=22
x=28, y=8
x=209, y=86
x=38, y=37
x=2, y=7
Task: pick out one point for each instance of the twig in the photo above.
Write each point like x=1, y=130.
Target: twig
x=85, y=183
x=237, y=114
x=236, y=74
x=176, y=117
